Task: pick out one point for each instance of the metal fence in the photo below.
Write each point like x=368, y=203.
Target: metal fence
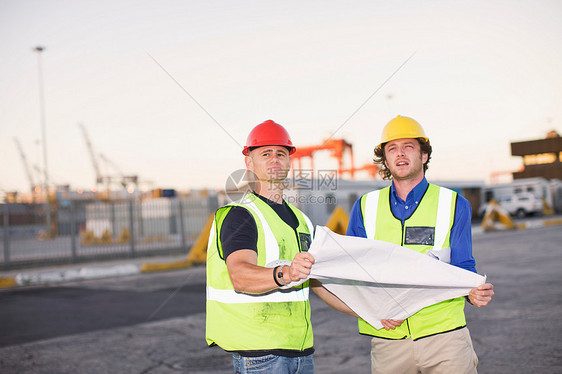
x=97, y=230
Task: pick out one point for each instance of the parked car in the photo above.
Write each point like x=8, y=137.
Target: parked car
x=519, y=205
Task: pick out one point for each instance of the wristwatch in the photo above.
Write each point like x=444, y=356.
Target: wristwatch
x=280, y=275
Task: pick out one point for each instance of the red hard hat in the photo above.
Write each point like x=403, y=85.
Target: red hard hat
x=268, y=133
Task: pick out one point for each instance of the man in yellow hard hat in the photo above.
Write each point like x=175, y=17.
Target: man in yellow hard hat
x=431, y=220
x=256, y=307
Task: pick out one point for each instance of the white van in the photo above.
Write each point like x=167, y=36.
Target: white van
x=519, y=205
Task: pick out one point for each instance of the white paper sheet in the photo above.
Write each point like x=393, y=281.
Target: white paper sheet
x=381, y=280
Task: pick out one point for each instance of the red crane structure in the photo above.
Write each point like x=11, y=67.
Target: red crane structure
x=337, y=148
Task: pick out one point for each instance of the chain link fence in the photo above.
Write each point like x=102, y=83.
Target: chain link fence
x=99, y=230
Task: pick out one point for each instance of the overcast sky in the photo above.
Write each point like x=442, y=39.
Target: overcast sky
x=481, y=75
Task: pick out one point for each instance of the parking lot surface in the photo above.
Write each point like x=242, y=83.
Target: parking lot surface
x=155, y=323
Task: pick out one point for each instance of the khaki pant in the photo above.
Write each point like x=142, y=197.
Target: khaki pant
x=447, y=353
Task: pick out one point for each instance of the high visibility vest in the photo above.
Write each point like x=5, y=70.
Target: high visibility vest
x=426, y=231
x=279, y=319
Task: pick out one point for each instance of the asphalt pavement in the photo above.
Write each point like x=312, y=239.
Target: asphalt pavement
x=155, y=322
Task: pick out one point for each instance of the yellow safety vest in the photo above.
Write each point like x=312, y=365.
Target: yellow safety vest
x=426, y=231
x=279, y=319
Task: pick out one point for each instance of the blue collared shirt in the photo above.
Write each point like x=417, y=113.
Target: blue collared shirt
x=461, y=234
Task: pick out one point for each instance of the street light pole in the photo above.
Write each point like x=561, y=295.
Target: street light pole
x=40, y=49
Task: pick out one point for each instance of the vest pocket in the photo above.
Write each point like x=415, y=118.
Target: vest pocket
x=419, y=235
x=305, y=241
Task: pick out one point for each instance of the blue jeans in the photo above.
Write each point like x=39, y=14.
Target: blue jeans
x=271, y=364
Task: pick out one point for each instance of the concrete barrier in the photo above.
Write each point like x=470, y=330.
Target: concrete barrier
x=53, y=277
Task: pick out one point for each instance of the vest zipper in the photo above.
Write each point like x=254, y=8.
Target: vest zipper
x=298, y=239
x=302, y=290
x=402, y=244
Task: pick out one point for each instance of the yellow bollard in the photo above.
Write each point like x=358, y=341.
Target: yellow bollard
x=495, y=213
x=198, y=253
x=338, y=221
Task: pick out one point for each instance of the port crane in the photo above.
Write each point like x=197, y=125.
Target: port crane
x=338, y=149
x=25, y=165
x=123, y=180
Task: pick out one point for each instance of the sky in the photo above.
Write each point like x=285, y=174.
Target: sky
x=169, y=90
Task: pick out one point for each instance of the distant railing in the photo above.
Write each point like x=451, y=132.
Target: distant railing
x=98, y=230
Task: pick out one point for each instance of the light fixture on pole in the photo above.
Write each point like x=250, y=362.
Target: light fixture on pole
x=39, y=50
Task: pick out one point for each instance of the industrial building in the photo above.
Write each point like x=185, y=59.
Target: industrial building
x=540, y=175
x=541, y=158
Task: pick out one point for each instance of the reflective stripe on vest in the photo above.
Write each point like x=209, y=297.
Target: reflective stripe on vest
x=233, y=297
x=442, y=226
x=370, y=215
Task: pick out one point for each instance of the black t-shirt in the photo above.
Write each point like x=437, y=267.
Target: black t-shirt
x=239, y=230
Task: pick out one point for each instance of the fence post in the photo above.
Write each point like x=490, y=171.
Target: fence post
x=141, y=221
x=73, y=231
x=132, y=227
x=113, y=221
x=6, y=236
x=182, y=228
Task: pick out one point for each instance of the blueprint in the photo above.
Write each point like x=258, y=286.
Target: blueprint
x=381, y=280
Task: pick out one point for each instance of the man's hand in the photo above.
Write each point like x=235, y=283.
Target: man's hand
x=391, y=324
x=482, y=295
x=300, y=267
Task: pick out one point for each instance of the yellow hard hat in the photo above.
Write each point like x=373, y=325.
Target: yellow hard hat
x=402, y=128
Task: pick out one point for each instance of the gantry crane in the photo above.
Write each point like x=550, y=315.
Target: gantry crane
x=122, y=179
x=337, y=148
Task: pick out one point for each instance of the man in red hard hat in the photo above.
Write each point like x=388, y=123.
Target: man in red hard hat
x=256, y=307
